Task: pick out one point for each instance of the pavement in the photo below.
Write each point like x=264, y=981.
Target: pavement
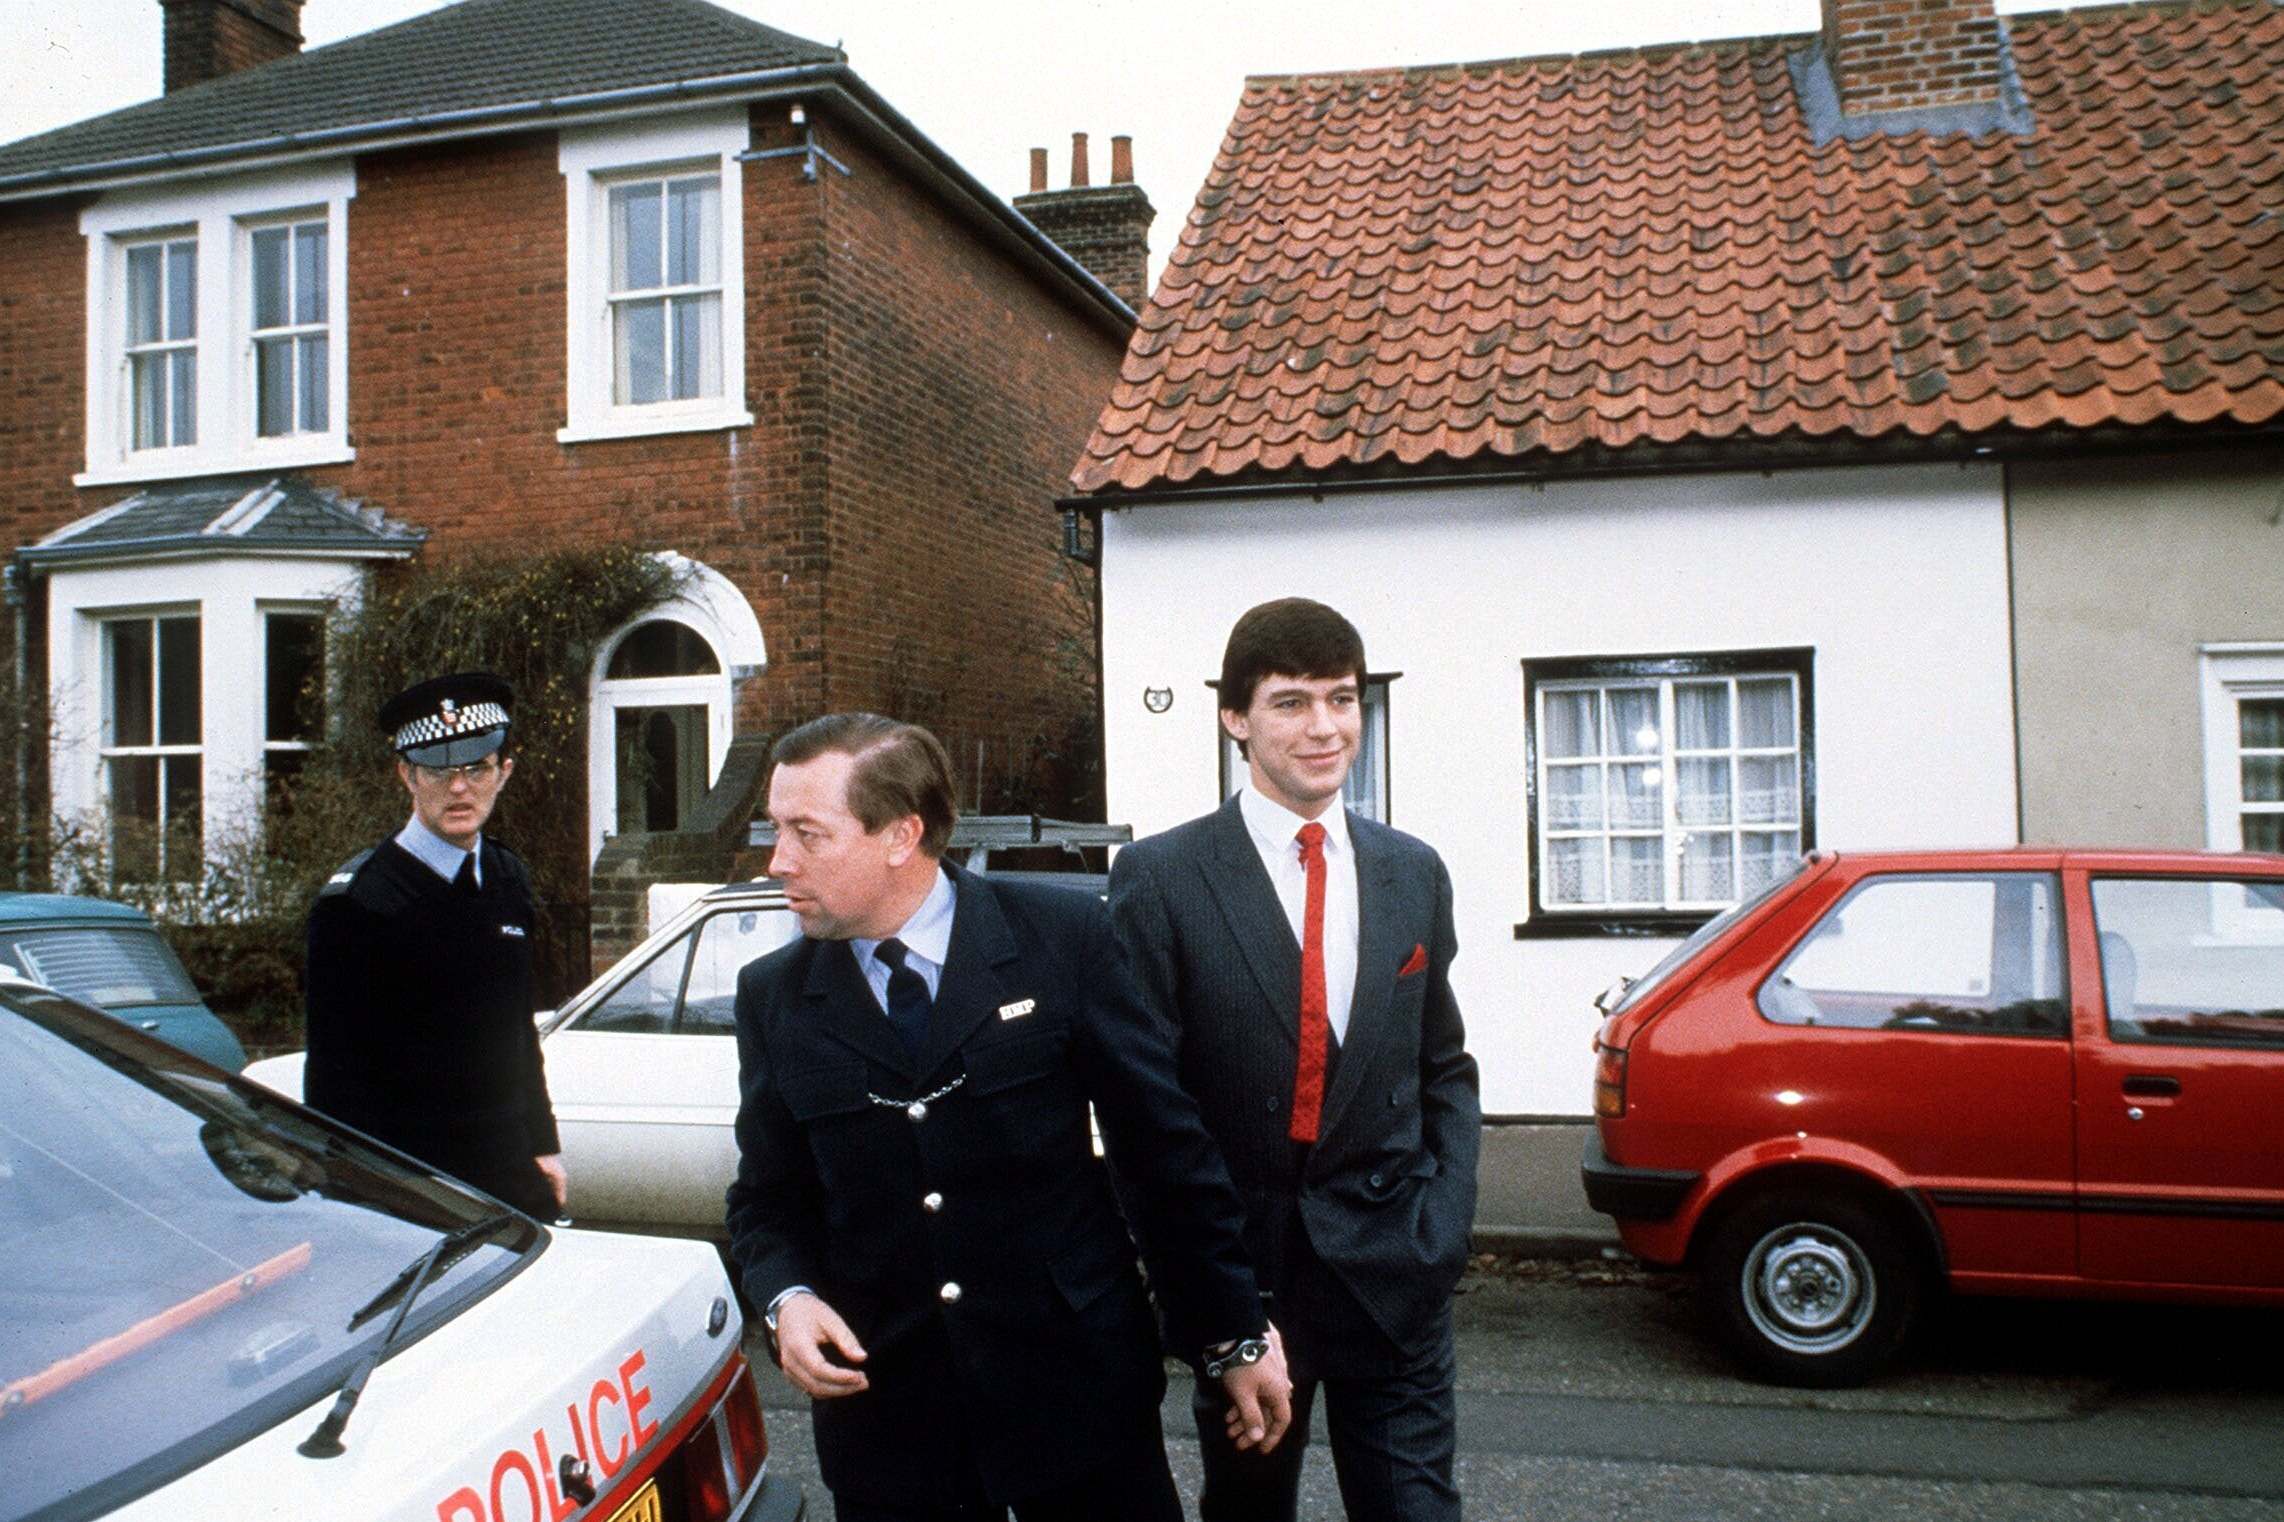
x=1528, y=1197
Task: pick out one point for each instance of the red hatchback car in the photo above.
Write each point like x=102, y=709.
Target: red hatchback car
x=2016, y=1072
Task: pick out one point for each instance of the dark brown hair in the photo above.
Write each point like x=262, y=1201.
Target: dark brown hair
x=900, y=769
x=1289, y=637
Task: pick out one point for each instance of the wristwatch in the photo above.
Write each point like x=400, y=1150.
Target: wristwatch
x=769, y=1319
x=1235, y=1355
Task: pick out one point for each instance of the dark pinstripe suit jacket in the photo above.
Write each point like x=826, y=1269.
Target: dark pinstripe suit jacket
x=1388, y=1197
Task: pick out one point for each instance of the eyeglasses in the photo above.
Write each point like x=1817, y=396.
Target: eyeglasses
x=476, y=773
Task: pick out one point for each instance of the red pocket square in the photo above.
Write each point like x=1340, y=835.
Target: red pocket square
x=1416, y=962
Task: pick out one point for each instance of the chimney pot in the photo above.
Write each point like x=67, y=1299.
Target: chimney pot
x=1106, y=228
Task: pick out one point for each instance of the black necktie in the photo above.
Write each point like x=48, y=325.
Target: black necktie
x=464, y=883
x=908, y=1001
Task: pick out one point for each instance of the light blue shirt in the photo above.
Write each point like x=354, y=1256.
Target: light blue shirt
x=927, y=938
x=441, y=856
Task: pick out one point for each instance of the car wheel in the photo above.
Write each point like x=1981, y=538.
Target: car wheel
x=1810, y=1289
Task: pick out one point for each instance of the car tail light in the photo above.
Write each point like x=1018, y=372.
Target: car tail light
x=706, y=1482
x=1610, y=1081
x=749, y=1440
x=724, y=1454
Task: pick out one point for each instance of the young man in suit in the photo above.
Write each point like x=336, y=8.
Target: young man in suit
x=918, y=1203
x=1302, y=954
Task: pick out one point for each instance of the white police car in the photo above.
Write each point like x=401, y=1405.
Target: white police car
x=217, y=1304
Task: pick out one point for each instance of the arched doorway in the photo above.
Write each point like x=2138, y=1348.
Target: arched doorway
x=660, y=722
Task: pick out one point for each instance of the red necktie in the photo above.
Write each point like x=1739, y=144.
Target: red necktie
x=1316, y=1025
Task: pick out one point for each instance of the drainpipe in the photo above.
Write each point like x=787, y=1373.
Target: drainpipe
x=14, y=578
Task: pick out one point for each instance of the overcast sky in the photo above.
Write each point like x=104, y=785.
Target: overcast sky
x=989, y=81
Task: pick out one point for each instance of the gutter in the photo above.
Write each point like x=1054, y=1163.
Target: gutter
x=836, y=82
x=1669, y=460
x=177, y=547
x=19, y=595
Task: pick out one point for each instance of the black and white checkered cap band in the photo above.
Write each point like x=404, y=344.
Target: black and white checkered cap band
x=463, y=721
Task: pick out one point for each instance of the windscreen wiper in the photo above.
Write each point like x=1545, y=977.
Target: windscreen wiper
x=405, y=1288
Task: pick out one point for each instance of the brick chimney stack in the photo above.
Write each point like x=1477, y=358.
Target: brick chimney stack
x=1104, y=227
x=206, y=39
x=1907, y=55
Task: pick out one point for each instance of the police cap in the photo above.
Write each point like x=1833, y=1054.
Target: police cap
x=449, y=720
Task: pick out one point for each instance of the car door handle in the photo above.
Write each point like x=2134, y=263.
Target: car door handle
x=2152, y=1086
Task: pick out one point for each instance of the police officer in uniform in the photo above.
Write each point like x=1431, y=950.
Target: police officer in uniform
x=419, y=983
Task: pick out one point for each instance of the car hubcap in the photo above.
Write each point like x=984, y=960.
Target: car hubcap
x=1808, y=1288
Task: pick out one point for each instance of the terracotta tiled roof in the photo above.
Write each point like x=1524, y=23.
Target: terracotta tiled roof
x=1550, y=259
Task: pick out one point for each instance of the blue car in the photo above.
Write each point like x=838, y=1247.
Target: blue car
x=111, y=956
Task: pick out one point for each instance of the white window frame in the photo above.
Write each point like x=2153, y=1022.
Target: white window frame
x=220, y=215
x=265, y=612
x=2228, y=674
x=112, y=751
x=1662, y=674
x=166, y=346
x=289, y=332
x=593, y=160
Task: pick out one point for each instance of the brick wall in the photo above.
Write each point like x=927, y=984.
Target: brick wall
x=959, y=400
x=1104, y=227
x=1896, y=55
x=43, y=367
x=206, y=39
x=918, y=398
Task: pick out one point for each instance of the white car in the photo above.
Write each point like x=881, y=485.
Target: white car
x=215, y=1304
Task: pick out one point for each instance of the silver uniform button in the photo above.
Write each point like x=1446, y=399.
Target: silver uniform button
x=949, y=1294
x=931, y=1202
x=918, y=1110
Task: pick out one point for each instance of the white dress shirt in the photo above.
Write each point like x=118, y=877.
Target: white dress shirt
x=1273, y=828
x=927, y=938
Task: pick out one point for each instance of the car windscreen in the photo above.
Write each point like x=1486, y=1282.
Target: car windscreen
x=113, y=966
x=1703, y=936
x=189, y=1260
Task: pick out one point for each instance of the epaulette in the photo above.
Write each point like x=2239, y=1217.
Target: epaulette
x=344, y=875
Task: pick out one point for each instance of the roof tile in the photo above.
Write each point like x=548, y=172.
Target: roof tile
x=1647, y=247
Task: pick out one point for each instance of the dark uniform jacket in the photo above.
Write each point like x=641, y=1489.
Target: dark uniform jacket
x=1387, y=1193
x=419, y=1007
x=975, y=1246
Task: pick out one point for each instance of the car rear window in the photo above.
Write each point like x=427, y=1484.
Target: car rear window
x=1959, y=952
x=113, y=966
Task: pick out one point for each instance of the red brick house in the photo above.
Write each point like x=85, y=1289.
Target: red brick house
x=520, y=272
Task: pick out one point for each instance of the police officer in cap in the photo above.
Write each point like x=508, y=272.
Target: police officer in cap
x=420, y=985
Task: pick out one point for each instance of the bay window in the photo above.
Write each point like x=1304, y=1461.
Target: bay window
x=153, y=762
